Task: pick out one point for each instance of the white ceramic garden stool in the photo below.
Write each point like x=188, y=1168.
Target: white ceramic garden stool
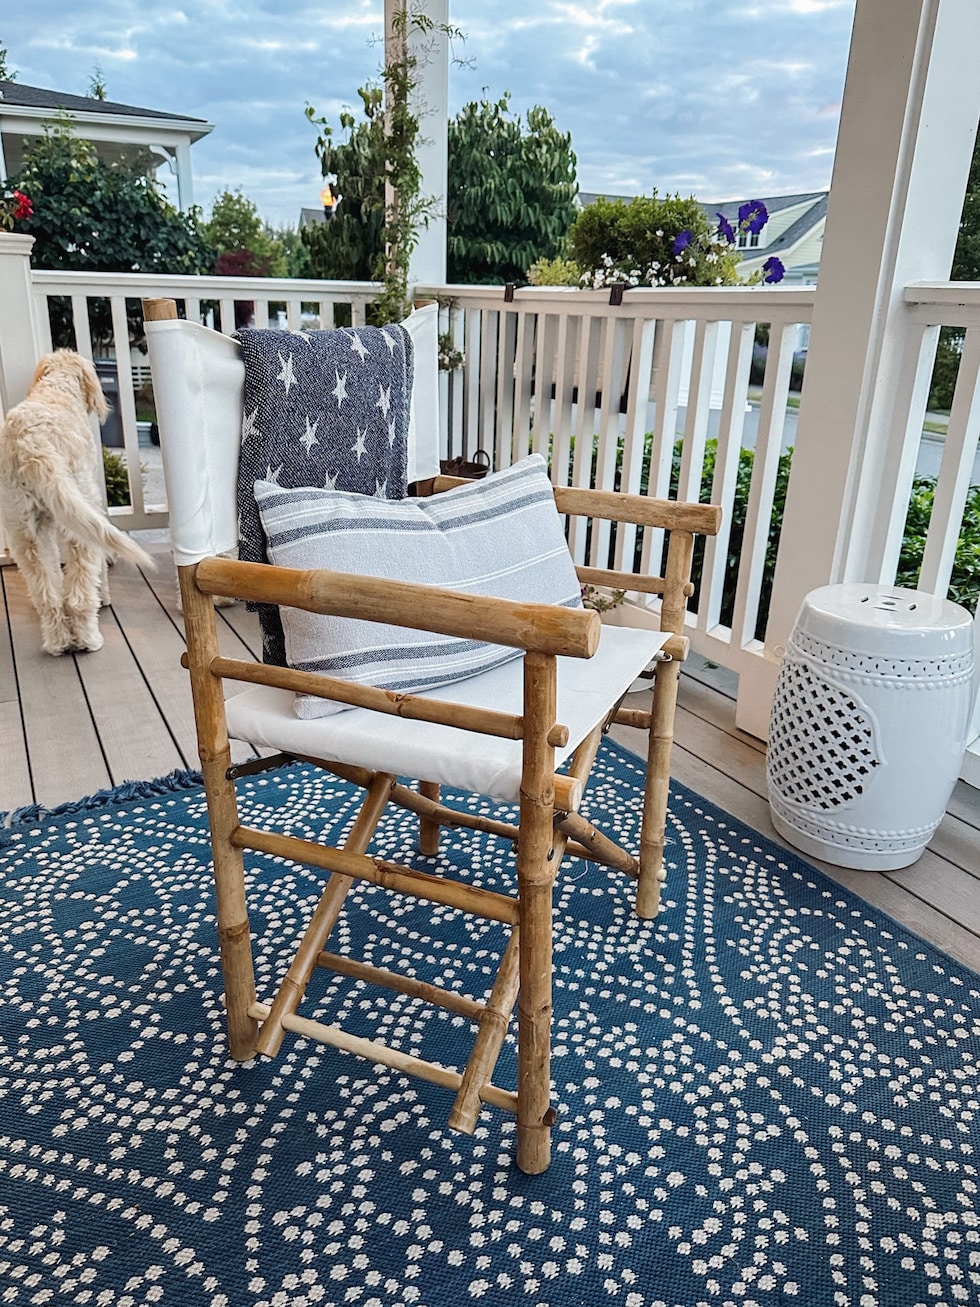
x=869, y=723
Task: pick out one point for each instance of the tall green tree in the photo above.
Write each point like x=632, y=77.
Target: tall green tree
x=242, y=243
x=512, y=189
x=349, y=246
x=7, y=74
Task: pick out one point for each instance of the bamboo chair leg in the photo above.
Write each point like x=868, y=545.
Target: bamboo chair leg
x=428, y=829
x=657, y=791
x=489, y=1039
x=324, y=919
x=234, y=942
x=535, y=854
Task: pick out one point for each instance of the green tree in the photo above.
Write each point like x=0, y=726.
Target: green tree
x=349, y=246
x=96, y=84
x=966, y=257
x=7, y=74
x=242, y=243
x=91, y=216
x=511, y=194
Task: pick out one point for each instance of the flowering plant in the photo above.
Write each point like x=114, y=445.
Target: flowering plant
x=653, y=241
x=15, y=206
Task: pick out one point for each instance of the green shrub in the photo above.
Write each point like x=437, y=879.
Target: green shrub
x=964, y=586
x=947, y=367
x=116, y=479
x=558, y=271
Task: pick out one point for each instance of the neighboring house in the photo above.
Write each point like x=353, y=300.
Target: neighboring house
x=119, y=132
x=794, y=232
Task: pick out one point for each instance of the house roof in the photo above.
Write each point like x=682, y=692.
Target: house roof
x=794, y=233
x=15, y=95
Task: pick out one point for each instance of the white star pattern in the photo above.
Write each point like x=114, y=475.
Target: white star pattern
x=249, y=428
x=340, y=389
x=360, y=448
x=287, y=376
x=329, y=482
x=273, y=474
x=391, y=433
x=308, y=438
x=389, y=341
x=358, y=347
x=384, y=399
x=381, y=491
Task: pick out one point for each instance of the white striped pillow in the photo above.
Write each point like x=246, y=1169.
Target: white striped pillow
x=501, y=536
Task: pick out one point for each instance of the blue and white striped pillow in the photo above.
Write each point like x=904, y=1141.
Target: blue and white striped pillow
x=501, y=536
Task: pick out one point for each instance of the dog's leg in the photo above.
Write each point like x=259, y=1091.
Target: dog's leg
x=83, y=570
x=39, y=559
x=105, y=598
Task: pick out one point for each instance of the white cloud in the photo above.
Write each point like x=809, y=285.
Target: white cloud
x=718, y=98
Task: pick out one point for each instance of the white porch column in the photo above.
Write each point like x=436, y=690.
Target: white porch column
x=185, y=176
x=907, y=131
x=20, y=346
x=430, y=103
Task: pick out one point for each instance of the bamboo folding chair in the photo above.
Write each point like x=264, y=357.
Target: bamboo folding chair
x=569, y=688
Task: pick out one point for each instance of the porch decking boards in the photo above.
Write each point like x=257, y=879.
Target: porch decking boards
x=73, y=725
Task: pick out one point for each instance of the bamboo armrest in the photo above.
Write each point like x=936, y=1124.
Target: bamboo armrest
x=617, y=506
x=536, y=628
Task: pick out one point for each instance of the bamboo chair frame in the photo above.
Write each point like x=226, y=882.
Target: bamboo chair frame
x=549, y=822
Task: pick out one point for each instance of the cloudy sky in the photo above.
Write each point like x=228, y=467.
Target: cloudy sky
x=718, y=98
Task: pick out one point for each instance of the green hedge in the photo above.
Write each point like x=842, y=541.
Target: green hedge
x=964, y=587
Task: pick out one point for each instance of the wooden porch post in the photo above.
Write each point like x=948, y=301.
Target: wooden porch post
x=907, y=131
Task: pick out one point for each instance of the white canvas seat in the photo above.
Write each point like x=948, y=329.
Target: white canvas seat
x=523, y=732
x=445, y=754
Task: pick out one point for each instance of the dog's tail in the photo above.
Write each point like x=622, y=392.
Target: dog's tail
x=77, y=518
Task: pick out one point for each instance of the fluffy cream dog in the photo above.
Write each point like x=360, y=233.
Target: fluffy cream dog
x=50, y=503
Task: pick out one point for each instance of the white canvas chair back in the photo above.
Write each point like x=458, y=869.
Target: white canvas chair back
x=200, y=408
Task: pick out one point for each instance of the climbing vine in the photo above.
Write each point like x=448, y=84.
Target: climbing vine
x=376, y=224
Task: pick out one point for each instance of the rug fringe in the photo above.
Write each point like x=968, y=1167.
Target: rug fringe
x=33, y=813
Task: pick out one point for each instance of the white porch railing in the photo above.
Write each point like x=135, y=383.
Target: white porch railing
x=87, y=302
x=607, y=391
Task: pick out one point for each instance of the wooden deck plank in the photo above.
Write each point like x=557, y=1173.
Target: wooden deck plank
x=131, y=726
x=238, y=638
x=62, y=743
x=17, y=788
x=157, y=645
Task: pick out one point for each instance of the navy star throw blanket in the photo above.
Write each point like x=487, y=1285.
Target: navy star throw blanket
x=327, y=409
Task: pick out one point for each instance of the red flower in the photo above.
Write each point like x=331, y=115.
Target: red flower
x=24, y=207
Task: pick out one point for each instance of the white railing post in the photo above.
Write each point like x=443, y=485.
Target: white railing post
x=20, y=342
x=908, y=126
x=20, y=346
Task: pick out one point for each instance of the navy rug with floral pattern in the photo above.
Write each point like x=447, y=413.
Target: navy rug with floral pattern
x=768, y=1095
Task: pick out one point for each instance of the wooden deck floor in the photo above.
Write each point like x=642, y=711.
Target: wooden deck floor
x=73, y=725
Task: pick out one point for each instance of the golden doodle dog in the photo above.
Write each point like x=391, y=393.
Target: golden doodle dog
x=50, y=503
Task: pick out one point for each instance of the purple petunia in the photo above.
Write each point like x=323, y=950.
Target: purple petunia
x=681, y=241
x=773, y=270
x=753, y=216
x=726, y=229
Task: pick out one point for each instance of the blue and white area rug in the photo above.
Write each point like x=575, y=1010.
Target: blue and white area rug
x=769, y=1095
